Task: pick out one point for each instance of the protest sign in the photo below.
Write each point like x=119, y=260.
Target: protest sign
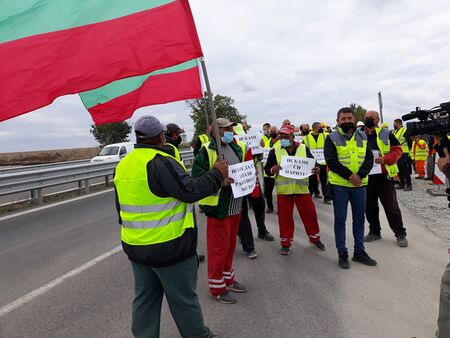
x=296, y=167
x=376, y=169
x=318, y=155
x=244, y=175
x=252, y=140
x=265, y=153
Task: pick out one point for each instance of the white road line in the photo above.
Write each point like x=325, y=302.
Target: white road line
x=54, y=204
x=47, y=287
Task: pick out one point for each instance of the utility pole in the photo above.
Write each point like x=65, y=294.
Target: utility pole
x=380, y=104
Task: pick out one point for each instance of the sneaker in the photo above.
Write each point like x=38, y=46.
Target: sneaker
x=251, y=254
x=364, y=258
x=327, y=201
x=285, y=250
x=237, y=287
x=269, y=210
x=225, y=298
x=317, y=245
x=400, y=186
x=402, y=242
x=267, y=236
x=408, y=188
x=343, y=261
x=371, y=237
x=318, y=196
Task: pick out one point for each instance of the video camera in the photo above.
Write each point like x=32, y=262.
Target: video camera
x=435, y=121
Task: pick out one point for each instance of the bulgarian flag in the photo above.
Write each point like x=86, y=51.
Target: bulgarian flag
x=57, y=47
x=118, y=100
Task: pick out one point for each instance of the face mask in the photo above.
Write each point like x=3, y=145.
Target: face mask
x=320, y=130
x=227, y=137
x=347, y=126
x=369, y=122
x=305, y=132
x=273, y=135
x=178, y=140
x=285, y=143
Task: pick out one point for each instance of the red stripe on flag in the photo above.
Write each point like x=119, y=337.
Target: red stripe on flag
x=36, y=70
x=156, y=89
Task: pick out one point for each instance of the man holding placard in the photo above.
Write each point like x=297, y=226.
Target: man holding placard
x=381, y=186
x=292, y=163
x=223, y=213
x=350, y=161
x=315, y=141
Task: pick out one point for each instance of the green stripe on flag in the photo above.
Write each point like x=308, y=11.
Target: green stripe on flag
x=121, y=87
x=22, y=18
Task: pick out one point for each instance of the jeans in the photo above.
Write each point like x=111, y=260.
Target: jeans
x=357, y=198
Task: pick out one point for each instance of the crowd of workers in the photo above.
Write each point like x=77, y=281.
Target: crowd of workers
x=155, y=198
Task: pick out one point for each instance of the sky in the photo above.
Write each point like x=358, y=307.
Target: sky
x=300, y=60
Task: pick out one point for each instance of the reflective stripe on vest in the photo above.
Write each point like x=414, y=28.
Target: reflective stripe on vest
x=289, y=186
x=384, y=144
x=400, y=135
x=419, y=153
x=213, y=200
x=146, y=218
x=351, y=152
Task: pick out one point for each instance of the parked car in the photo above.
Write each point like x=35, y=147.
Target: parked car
x=113, y=152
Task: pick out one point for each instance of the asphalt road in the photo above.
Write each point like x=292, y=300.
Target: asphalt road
x=301, y=295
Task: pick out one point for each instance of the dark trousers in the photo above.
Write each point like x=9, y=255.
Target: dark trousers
x=357, y=198
x=383, y=189
x=269, y=184
x=179, y=283
x=245, y=227
x=444, y=305
x=314, y=183
x=405, y=169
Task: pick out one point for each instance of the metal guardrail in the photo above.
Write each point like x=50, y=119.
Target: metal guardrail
x=36, y=178
x=40, y=166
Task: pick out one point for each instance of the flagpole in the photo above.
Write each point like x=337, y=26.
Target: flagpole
x=211, y=107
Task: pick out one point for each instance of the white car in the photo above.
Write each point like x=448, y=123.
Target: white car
x=113, y=152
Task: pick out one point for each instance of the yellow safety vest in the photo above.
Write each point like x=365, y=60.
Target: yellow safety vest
x=400, y=135
x=146, y=218
x=203, y=139
x=351, y=154
x=420, y=154
x=213, y=200
x=290, y=186
x=176, y=151
x=311, y=143
x=384, y=145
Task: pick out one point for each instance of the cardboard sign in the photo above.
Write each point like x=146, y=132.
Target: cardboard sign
x=266, y=152
x=376, y=169
x=296, y=167
x=318, y=155
x=244, y=175
x=252, y=140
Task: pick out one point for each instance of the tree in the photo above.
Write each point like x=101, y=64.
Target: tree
x=111, y=133
x=224, y=108
x=360, y=111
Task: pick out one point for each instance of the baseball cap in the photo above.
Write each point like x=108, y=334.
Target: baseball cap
x=224, y=123
x=173, y=127
x=148, y=127
x=286, y=129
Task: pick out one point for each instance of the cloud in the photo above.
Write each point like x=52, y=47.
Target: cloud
x=300, y=60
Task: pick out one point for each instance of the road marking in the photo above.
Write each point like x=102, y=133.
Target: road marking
x=47, y=287
x=54, y=204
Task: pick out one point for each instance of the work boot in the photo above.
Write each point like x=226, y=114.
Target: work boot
x=343, y=261
x=285, y=250
x=269, y=210
x=364, y=258
x=225, y=298
x=371, y=237
x=267, y=236
x=317, y=245
x=402, y=241
x=408, y=188
x=237, y=287
x=251, y=254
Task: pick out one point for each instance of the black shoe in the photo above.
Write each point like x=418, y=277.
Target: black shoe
x=201, y=258
x=402, y=241
x=285, y=250
x=327, y=201
x=267, y=236
x=317, y=245
x=400, y=186
x=371, y=237
x=269, y=210
x=364, y=258
x=408, y=188
x=343, y=261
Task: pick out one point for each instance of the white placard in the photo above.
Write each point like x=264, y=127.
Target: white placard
x=244, y=175
x=376, y=169
x=253, y=141
x=318, y=155
x=297, y=167
x=266, y=152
